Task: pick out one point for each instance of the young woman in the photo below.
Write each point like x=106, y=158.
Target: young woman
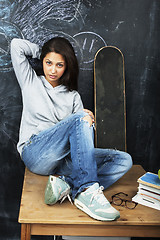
x=56, y=133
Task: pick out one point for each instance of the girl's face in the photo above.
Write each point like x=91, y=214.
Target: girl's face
x=54, y=66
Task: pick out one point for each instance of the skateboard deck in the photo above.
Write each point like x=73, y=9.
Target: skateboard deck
x=109, y=99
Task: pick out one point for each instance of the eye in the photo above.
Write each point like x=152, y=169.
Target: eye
x=48, y=62
x=60, y=65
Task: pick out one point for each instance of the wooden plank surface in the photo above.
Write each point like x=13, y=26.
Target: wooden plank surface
x=34, y=210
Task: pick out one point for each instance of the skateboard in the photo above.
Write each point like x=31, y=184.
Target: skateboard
x=109, y=99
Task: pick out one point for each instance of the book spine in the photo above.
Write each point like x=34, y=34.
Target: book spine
x=155, y=190
x=149, y=196
x=146, y=201
x=148, y=184
x=149, y=193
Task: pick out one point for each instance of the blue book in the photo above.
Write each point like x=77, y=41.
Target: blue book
x=150, y=179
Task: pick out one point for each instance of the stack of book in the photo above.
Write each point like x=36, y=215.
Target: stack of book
x=148, y=191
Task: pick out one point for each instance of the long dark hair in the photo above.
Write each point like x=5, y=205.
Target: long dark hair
x=63, y=46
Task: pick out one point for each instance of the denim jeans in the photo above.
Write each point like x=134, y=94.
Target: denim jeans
x=67, y=149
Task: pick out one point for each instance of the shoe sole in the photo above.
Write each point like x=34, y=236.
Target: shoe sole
x=83, y=207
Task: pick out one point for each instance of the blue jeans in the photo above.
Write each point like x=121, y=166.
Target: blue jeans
x=67, y=149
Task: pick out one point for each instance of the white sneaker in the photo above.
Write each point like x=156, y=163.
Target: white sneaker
x=94, y=203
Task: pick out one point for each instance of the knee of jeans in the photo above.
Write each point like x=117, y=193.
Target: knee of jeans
x=84, y=117
x=128, y=160
x=80, y=115
x=88, y=119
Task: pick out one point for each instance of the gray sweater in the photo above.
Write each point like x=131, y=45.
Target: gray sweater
x=43, y=105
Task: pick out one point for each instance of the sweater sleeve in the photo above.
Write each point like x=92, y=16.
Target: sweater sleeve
x=21, y=48
x=77, y=105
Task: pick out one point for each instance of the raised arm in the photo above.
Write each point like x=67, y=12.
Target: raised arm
x=21, y=48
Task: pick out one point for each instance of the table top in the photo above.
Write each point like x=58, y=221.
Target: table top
x=34, y=210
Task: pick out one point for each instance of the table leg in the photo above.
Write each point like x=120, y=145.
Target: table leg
x=25, y=231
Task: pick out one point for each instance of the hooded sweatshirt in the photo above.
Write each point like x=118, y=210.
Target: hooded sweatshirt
x=43, y=105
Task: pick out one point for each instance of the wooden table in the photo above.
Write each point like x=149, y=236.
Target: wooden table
x=37, y=218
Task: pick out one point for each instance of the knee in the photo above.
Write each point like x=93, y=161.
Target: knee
x=88, y=119
x=127, y=160
x=124, y=159
x=83, y=116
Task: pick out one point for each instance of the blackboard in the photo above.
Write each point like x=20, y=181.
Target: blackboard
x=132, y=26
